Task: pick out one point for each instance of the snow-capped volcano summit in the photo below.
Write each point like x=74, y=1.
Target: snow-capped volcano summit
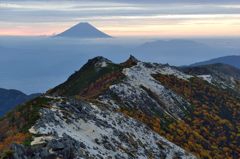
x=83, y=30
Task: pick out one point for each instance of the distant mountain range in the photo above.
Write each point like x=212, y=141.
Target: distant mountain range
x=130, y=110
x=83, y=30
x=10, y=98
x=179, y=51
x=230, y=60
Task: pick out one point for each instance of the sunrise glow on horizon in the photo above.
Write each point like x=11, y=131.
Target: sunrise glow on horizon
x=121, y=18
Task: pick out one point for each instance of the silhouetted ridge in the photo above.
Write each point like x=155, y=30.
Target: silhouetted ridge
x=230, y=60
x=83, y=30
x=9, y=98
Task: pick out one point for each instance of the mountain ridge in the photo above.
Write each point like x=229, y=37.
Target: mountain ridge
x=108, y=110
x=220, y=74
x=170, y=50
x=233, y=60
x=9, y=98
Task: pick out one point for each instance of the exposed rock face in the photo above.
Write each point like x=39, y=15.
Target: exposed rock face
x=78, y=129
x=62, y=147
x=141, y=91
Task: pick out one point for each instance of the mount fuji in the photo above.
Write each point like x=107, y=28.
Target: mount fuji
x=83, y=30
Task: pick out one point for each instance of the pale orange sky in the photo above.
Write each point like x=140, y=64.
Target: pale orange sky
x=33, y=18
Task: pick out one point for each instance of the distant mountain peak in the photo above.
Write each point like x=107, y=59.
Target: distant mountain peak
x=84, y=23
x=83, y=30
x=81, y=24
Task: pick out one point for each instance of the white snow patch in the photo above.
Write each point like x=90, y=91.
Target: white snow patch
x=41, y=140
x=170, y=71
x=207, y=78
x=101, y=64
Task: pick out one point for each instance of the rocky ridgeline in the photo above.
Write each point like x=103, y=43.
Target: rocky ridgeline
x=125, y=116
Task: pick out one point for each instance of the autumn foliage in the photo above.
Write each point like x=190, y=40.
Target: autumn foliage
x=15, y=125
x=16, y=138
x=211, y=130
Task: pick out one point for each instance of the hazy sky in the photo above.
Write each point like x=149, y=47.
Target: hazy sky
x=122, y=17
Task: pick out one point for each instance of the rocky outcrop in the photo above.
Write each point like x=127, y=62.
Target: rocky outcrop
x=78, y=129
